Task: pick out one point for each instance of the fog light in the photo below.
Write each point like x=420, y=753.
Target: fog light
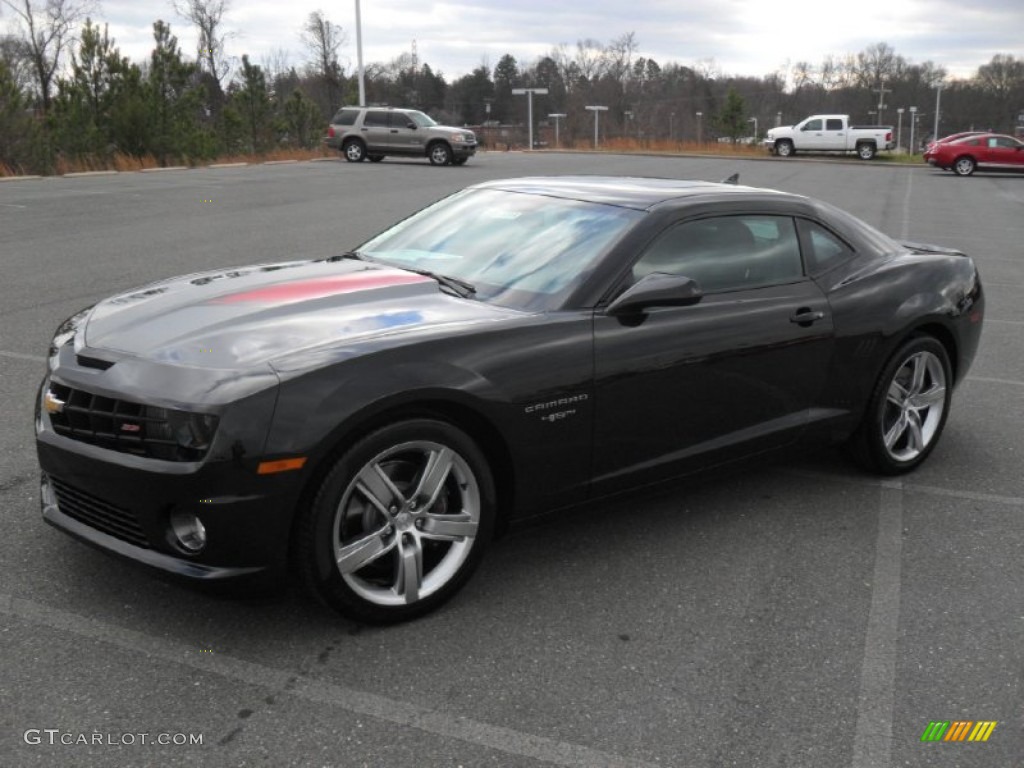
x=189, y=531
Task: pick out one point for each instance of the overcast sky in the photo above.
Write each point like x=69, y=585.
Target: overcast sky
x=744, y=37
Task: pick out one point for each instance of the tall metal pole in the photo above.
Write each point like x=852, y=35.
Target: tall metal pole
x=529, y=105
x=899, y=130
x=557, y=116
x=596, y=110
x=359, y=57
x=938, y=98
x=913, y=125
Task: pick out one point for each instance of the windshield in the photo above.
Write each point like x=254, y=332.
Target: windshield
x=518, y=250
x=422, y=120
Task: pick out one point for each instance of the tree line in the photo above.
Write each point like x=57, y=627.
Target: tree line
x=68, y=95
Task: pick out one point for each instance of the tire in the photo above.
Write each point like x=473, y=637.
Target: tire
x=964, y=166
x=459, y=160
x=354, y=150
x=399, y=523
x=439, y=153
x=907, y=410
x=784, y=148
x=866, y=150
x=375, y=158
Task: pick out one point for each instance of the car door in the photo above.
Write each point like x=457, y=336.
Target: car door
x=679, y=388
x=812, y=135
x=834, y=134
x=376, y=130
x=406, y=136
x=1002, y=152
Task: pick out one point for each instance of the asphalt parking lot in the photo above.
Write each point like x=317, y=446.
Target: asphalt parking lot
x=799, y=613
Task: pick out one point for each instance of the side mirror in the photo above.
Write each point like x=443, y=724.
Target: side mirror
x=656, y=290
x=411, y=125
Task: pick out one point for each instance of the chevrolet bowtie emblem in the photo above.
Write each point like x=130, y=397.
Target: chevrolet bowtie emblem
x=52, y=403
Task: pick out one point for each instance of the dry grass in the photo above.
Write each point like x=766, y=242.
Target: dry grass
x=678, y=147
x=127, y=163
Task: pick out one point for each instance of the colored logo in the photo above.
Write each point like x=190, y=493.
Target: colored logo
x=959, y=730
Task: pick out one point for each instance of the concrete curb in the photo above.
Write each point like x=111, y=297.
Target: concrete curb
x=19, y=178
x=168, y=168
x=82, y=174
x=279, y=162
x=227, y=165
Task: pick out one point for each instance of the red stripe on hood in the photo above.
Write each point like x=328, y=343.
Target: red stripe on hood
x=320, y=287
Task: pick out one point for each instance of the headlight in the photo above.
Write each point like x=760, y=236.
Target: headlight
x=66, y=331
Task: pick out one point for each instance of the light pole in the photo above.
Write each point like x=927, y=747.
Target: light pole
x=778, y=119
x=938, y=98
x=754, y=121
x=913, y=124
x=529, y=105
x=597, y=111
x=359, y=57
x=557, y=116
x=671, y=127
x=699, y=116
x=899, y=129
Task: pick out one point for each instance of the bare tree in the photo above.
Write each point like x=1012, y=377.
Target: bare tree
x=206, y=16
x=47, y=28
x=322, y=39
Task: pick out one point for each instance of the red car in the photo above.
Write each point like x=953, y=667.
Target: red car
x=952, y=137
x=988, y=151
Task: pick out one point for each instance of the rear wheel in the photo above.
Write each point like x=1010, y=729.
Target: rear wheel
x=964, y=166
x=439, y=153
x=866, y=150
x=784, y=148
x=354, y=150
x=907, y=410
x=399, y=523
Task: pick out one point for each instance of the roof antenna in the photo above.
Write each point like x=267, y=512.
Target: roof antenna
x=734, y=179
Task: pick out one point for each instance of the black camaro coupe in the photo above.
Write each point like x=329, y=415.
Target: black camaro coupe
x=371, y=419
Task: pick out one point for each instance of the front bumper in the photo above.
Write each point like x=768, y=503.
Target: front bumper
x=123, y=504
x=463, y=150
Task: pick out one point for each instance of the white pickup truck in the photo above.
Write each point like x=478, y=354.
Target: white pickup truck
x=829, y=133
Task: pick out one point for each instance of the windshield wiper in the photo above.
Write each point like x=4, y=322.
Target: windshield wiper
x=347, y=255
x=459, y=287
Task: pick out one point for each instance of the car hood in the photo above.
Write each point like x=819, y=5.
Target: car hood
x=254, y=315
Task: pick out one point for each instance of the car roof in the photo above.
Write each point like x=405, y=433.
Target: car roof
x=625, y=191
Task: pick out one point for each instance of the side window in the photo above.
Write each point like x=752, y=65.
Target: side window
x=833, y=125
x=822, y=249
x=376, y=117
x=813, y=125
x=345, y=117
x=727, y=253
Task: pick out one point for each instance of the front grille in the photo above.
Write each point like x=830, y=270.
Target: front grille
x=121, y=425
x=96, y=513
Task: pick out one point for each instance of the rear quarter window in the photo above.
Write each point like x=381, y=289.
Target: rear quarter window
x=345, y=117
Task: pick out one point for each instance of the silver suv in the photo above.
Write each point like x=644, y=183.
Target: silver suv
x=373, y=132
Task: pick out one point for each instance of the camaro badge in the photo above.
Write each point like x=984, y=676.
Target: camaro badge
x=52, y=403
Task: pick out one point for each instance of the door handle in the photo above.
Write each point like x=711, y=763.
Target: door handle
x=805, y=316
x=394, y=130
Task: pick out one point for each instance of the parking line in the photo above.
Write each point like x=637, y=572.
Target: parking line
x=872, y=743
x=987, y=380
x=440, y=723
x=23, y=356
x=934, y=490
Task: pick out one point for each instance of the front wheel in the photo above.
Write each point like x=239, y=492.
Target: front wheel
x=439, y=154
x=907, y=410
x=399, y=523
x=784, y=148
x=964, y=166
x=866, y=151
